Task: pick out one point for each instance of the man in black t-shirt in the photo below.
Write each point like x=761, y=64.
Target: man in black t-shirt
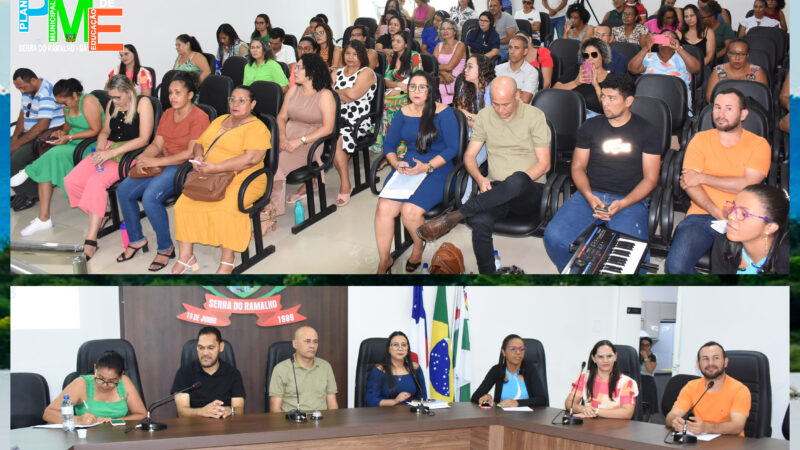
x=615, y=166
x=221, y=391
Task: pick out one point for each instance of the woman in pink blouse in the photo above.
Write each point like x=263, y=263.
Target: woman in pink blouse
x=129, y=65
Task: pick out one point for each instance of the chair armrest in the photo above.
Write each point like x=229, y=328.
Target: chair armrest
x=373, y=175
x=327, y=140
x=376, y=119
x=667, y=217
x=259, y=204
x=545, y=206
x=451, y=177
x=654, y=210
x=180, y=177
x=77, y=155
x=127, y=161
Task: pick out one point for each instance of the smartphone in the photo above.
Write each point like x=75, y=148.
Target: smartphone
x=117, y=422
x=587, y=71
x=194, y=161
x=661, y=39
x=601, y=208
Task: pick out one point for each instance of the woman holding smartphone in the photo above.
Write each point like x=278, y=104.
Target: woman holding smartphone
x=596, y=56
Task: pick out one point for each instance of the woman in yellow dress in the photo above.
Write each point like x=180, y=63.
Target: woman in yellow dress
x=243, y=142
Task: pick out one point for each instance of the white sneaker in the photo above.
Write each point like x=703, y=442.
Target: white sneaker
x=36, y=226
x=19, y=178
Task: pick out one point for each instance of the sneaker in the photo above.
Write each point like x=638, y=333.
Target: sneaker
x=36, y=226
x=19, y=178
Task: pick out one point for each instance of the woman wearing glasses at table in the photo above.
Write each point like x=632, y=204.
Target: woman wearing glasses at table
x=108, y=394
x=756, y=238
x=595, y=399
x=596, y=52
x=515, y=382
x=396, y=379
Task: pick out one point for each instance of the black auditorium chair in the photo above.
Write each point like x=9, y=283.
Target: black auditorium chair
x=369, y=22
x=786, y=424
x=162, y=90
x=674, y=92
x=290, y=40
x=210, y=111
x=626, y=49
x=415, y=45
x=628, y=363
x=212, y=62
x=672, y=389
x=312, y=170
x=234, y=68
x=277, y=352
x=215, y=91
x=382, y=62
x=430, y=64
x=285, y=68
x=567, y=50
x=750, y=89
x=189, y=353
x=371, y=352
x=524, y=25
x=765, y=44
x=534, y=358
x=752, y=369
x=361, y=153
x=30, y=396
x=545, y=32
x=611, y=23
x=777, y=36
x=269, y=97
x=90, y=351
x=696, y=89
x=466, y=27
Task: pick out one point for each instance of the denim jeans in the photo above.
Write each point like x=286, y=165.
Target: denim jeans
x=557, y=26
x=503, y=54
x=574, y=218
x=153, y=191
x=481, y=158
x=516, y=193
x=693, y=237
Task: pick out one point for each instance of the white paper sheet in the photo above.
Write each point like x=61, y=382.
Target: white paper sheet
x=401, y=187
x=517, y=408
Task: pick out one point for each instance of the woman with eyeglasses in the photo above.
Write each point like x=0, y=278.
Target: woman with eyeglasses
x=484, y=40
x=128, y=125
x=462, y=12
x=262, y=66
x=235, y=142
x=758, y=19
x=451, y=55
x=98, y=398
x=306, y=45
x=598, y=53
x=737, y=67
x=593, y=396
x=666, y=19
x=576, y=26
x=756, y=237
x=515, y=383
x=694, y=32
x=190, y=57
x=331, y=54
x=229, y=45
x=397, y=379
x=532, y=16
x=263, y=27
x=430, y=131
x=430, y=35
x=631, y=31
x=396, y=24
x=130, y=66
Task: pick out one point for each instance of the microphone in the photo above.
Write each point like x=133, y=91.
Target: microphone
x=296, y=415
x=421, y=408
x=571, y=419
x=147, y=423
x=683, y=437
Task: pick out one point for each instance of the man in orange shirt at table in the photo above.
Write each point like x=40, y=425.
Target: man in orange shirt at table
x=723, y=409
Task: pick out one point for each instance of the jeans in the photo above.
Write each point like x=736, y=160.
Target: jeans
x=574, y=218
x=557, y=26
x=503, y=54
x=153, y=191
x=19, y=160
x=693, y=237
x=481, y=158
x=517, y=193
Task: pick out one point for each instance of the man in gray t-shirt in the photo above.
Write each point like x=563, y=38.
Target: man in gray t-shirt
x=504, y=24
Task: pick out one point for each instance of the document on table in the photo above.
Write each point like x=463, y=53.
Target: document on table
x=517, y=408
x=59, y=426
x=704, y=436
x=431, y=404
x=401, y=186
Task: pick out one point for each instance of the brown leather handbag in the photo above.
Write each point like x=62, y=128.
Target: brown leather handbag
x=208, y=187
x=144, y=172
x=448, y=260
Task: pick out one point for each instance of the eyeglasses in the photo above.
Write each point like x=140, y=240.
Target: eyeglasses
x=319, y=33
x=448, y=29
x=238, y=101
x=28, y=112
x=298, y=67
x=739, y=213
x=418, y=87
x=609, y=357
x=103, y=381
x=592, y=54
x=483, y=21
x=514, y=349
x=399, y=345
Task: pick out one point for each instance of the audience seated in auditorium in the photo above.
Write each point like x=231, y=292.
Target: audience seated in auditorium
x=722, y=15
x=331, y=54
x=313, y=23
x=283, y=53
x=392, y=7
x=557, y=10
x=718, y=164
x=355, y=84
x=670, y=59
x=523, y=73
x=98, y=398
x=756, y=237
x=587, y=83
x=678, y=11
x=397, y=379
x=221, y=388
x=618, y=64
x=451, y=55
x=430, y=36
x=359, y=33
x=614, y=167
x=530, y=14
x=306, y=45
x=725, y=406
x=641, y=11
x=597, y=399
x=616, y=13
x=775, y=11
x=38, y=113
x=84, y=117
x=518, y=144
x=229, y=45
x=128, y=125
x=785, y=98
x=423, y=12
x=577, y=26
x=666, y=19
x=402, y=63
x=430, y=130
x=694, y=32
x=235, y=142
x=261, y=66
x=463, y=11
x=737, y=68
x=384, y=42
x=515, y=383
x=631, y=31
x=315, y=385
x=758, y=19
x=504, y=24
x=190, y=57
x=723, y=33
x=173, y=145
x=263, y=27
x=484, y=39
x=129, y=65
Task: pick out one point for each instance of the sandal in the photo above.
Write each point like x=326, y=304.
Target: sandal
x=186, y=266
x=388, y=269
x=343, y=199
x=411, y=267
x=159, y=265
x=93, y=244
x=268, y=220
x=123, y=258
x=225, y=263
x=294, y=197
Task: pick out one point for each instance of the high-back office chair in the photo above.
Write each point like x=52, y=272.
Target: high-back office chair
x=215, y=90
x=752, y=369
x=234, y=68
x=162, y=90
x=269, y=97
x=567, y=51
x=278, y=351
x=671, y=391
x=371, y=352
x=628, y=363
x=674, y=92
x=534, y=357
x=90, y=351
x=30, y=395
x=189, y=353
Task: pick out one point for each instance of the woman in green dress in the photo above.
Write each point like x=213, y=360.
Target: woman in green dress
x=84, y=118
x=105, y=395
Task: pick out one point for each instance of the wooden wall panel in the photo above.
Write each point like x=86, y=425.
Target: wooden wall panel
x=149, y=322
x=514, y=439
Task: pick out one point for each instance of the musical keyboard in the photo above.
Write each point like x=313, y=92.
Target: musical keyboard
x=605, y=251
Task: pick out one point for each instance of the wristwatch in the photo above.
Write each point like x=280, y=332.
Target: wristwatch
x=303, y=139
x=69, y=137
x=430, y=168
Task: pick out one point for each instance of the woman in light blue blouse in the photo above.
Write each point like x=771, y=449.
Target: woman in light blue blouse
x=397, y=379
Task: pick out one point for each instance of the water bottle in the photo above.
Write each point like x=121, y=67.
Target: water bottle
x=67, y=414
x=425, y=269
x=497, y=263
x=299, y=213
x=98, y=167
x=124, y=231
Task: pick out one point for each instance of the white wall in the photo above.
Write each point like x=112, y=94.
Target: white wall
x=568, y=321
x=741, y=318
x=51, y=353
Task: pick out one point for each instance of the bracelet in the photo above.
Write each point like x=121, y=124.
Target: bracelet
x=233, y=411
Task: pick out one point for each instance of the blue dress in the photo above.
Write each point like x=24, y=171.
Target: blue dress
x=378, y=386
x=429, y=36
x=404, y=128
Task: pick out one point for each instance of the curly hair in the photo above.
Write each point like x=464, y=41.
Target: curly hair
x=582, y=12
x=468, y=97
x=601, y=46
x=316, y=71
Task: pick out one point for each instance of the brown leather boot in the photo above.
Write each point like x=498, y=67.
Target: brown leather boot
x=438, y=227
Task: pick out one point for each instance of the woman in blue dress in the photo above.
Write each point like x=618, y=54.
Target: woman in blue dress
x=397, y=379
x=430, y=133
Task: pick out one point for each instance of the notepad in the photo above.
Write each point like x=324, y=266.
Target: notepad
x=400, y=186
x=517, y=408
x=431, y=404
x=59, y=426
x=704, y=436
x=719, y=225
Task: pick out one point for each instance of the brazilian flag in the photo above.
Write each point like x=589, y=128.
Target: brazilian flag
x=441, y=362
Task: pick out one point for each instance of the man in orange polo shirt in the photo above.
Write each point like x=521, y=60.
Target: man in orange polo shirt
x=719, y=163
x=725, y=407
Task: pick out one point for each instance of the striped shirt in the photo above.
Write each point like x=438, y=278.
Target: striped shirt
x=41, y=106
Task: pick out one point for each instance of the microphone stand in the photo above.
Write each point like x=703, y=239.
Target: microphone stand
x=296, y=415
x=147, y=423
x=421, y=408
x=684, y=437
x=571, y=419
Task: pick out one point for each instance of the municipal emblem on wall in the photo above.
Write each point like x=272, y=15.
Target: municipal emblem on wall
x=218, y=307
